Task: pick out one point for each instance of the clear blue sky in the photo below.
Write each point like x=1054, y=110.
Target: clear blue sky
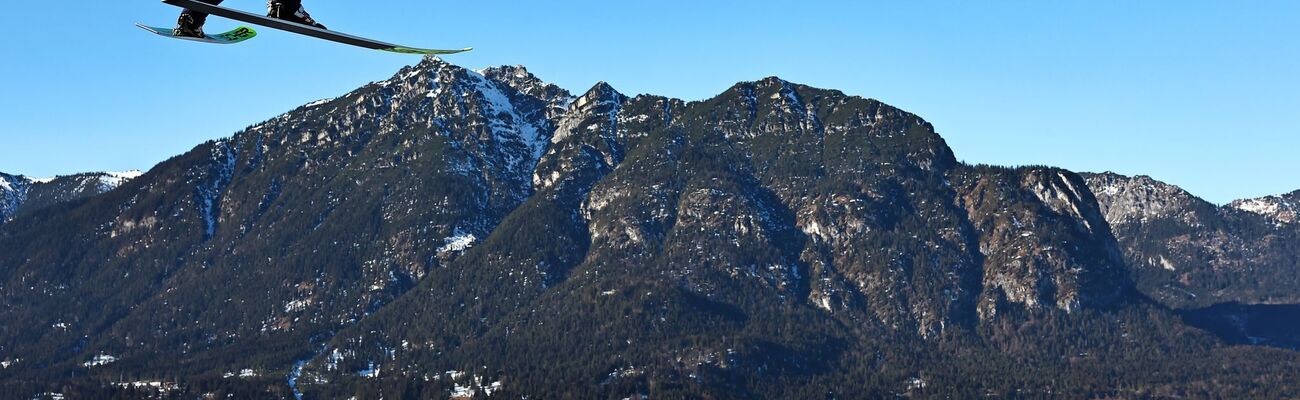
x=1203, y=94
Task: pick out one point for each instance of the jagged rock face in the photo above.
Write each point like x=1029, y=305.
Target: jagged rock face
x=20, y=195
x=556, y=100
x=1186, y=252
x=1044, y=240
x=587, y=144
x=1132, y=200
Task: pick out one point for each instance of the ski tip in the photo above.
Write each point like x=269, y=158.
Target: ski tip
x=412, y=50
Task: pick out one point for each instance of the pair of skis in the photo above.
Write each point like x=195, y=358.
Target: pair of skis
x=244, y=33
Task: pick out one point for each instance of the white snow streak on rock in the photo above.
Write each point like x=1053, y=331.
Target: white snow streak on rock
x=460, y=242
x=101, y=359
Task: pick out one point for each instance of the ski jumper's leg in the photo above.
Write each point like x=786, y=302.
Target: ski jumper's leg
x=200, y=18
x=291, y=10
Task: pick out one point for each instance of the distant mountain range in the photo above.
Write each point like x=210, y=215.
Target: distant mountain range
x=22, y=195
x=449, y=233
x=1187, y=253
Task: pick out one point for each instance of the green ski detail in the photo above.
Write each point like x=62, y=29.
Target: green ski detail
x=238, y=35
x=234, y=36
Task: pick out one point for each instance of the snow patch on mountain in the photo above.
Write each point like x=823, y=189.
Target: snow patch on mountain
x=13, y=192
x=112, y=180
x=457, y=243
x=516, y=127
x=1264, y=206
x=4, y=184
x=1278, y=208
x=99, y=360
x=12, y=183
x=318, y=103
x=208, y=195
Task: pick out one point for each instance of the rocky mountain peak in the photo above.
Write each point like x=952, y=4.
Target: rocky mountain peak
x=1132, y=199
x=500, y=119
x=518, y=77
x=601, y=92
x=587, y=138
x=1282, y=208
x=1067, y=194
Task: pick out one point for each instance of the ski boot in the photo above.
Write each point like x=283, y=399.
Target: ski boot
x=190, y=24
x=291, y=11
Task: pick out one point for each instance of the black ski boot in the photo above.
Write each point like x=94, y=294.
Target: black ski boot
x=190, y=24
x=292, y=11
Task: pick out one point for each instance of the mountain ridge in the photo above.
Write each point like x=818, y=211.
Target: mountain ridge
x=20, y=194
x=490, y=224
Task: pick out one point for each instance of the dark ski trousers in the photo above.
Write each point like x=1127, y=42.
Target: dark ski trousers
x=287, y=4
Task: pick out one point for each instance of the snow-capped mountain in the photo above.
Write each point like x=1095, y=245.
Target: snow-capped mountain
x=22, y=195
x=451, y=233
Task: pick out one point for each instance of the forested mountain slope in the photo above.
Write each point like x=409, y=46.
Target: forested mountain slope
x=451, y=233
